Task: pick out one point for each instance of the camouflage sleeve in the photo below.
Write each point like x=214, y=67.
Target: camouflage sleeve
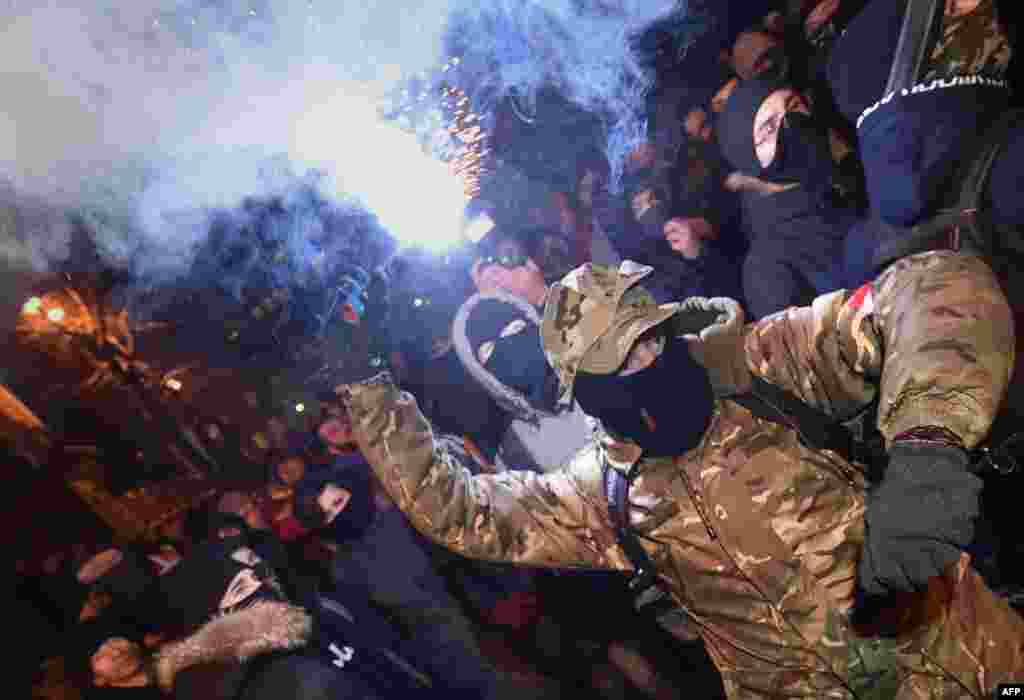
x=931, y=338
x=558, y=519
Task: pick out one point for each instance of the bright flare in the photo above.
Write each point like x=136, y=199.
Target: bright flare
x=415, y=196
x=55, y=315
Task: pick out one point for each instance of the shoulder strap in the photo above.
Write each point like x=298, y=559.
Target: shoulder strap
x=816, y=429
x=990, y=143
x=921, y=25
x=616, y=489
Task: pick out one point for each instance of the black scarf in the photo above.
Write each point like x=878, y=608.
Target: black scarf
x=664, y=408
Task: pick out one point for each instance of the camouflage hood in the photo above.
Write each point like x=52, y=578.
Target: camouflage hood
x=596, y=313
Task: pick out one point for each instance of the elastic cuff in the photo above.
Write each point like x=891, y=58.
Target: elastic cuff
x=929, y=435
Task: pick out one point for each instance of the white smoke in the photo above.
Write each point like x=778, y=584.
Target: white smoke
x=144, y=116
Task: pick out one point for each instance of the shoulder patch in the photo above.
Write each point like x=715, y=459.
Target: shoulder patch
x=863, y=300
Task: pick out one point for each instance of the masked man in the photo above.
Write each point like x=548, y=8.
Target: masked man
x=912, y=141
x=497, y=339
x=799, y=211
x=760, y=536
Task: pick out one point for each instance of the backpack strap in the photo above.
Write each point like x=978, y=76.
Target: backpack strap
x=650, y=597
x=921, y=26
x=815, y=428
x=616, y=489
x=974, y=230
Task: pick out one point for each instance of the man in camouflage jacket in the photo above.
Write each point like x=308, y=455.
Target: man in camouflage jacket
x=757, y=535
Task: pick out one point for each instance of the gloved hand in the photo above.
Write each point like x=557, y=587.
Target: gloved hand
x=919, y=519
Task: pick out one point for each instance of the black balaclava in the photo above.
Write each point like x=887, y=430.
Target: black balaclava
x=781, y=65
x=87, y=637
x=674, y=391
x=735, y=126
x=357, y=515
x=129, y=580
x=803, y=154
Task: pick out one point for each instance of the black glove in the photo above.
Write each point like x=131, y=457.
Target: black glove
x=919, y=519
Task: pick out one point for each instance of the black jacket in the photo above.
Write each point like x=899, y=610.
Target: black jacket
x=796, y=249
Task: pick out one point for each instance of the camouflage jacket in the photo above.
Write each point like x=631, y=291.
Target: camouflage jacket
x=971, y=44
x=756, y=535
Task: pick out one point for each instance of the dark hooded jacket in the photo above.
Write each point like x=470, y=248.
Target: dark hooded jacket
x=911, y=143
x=797, y=235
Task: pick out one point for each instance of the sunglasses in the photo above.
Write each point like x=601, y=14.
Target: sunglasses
x=509, y=262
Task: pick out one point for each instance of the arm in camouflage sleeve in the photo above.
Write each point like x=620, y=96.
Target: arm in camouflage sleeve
x=558, y=519
x=933, y=334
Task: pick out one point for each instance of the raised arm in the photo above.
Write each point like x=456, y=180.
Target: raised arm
x=556, y=520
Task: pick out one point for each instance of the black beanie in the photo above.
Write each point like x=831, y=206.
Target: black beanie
x=87, y=637
x=129, y=579
x=735, y=127
x=859, y=66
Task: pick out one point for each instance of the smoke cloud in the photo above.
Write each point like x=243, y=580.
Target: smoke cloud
x=581, y=48
x=149, y=119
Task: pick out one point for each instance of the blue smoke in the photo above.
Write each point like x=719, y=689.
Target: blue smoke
x=149, y=120
x=580, y=48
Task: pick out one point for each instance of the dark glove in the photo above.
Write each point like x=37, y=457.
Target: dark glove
x=919, y=519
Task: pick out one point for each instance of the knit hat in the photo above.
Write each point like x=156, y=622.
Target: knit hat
x=735, y=126
x=129, y=579
x=858, y=77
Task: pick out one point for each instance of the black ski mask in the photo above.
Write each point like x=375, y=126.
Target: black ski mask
x=776, y=63
x=802, y=155
x=674, y=393
x=357, y=515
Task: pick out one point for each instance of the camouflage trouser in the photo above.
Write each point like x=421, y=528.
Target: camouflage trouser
x=964, y=642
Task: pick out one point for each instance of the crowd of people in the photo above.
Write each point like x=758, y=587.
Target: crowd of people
x=462, y=547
